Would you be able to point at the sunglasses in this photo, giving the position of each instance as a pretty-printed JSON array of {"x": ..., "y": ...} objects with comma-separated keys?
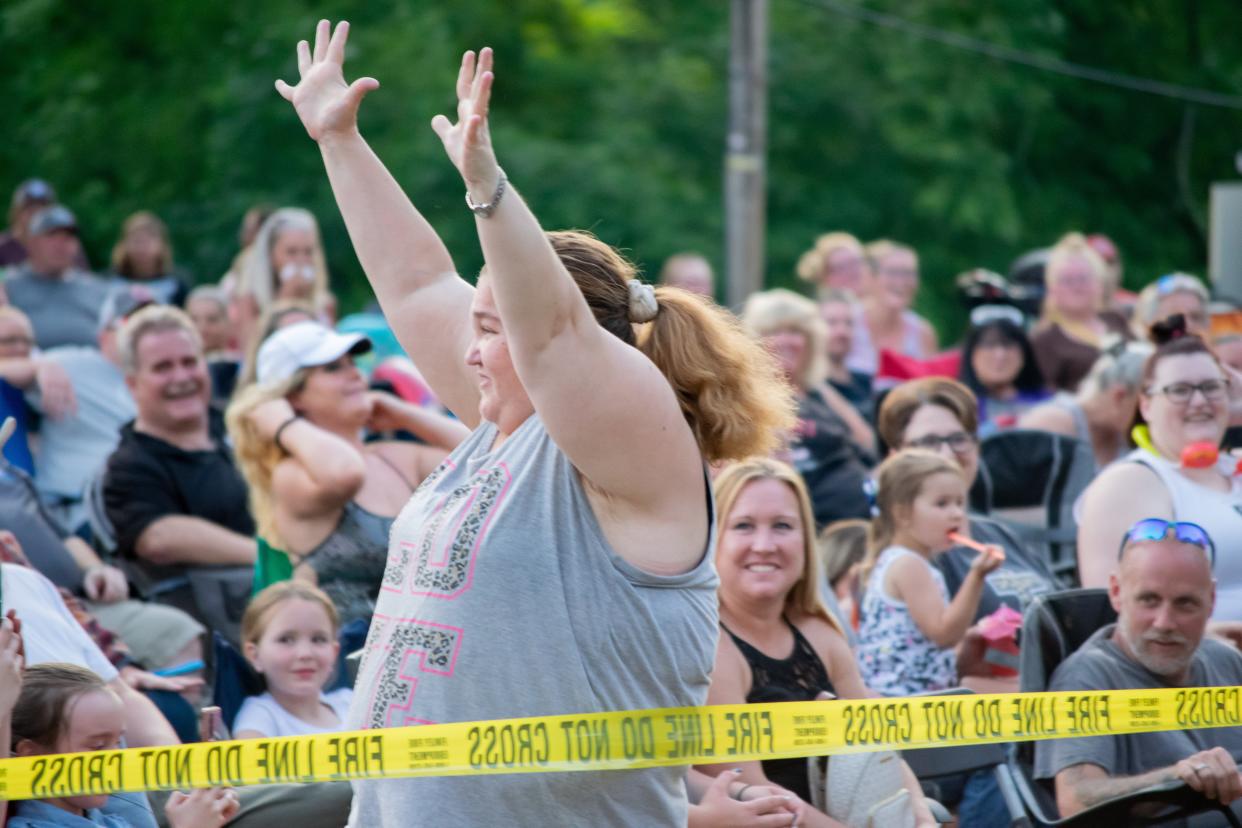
[{"x": 1156, "y": 529}]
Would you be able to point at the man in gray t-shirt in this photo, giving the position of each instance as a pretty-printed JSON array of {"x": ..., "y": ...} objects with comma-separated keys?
[
  {"x": 1164, "y": 594},
  {"x": 62, "y": 302}
]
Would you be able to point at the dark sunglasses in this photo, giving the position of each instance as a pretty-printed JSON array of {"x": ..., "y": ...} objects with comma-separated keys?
[{"x": 1156, "y": 529}]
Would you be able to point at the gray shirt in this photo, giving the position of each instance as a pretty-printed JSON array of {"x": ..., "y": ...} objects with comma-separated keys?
[
  {"x": 1100, "y": 665},
  {"x": 62, "y": 311},
  {"x": 503, "y": 599},
  {"x": 73, "y": 449}
]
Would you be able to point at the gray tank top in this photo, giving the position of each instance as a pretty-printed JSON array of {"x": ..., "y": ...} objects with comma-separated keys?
[
  {"x": 349, "y": 563},
  {"x": 503, "y": 599}
]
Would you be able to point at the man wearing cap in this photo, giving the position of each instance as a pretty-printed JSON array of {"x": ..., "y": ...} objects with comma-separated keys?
[
  {"x": 31, "y": 196},
  {"x": 61, "y": 300},
  {"x": 174, "y": 499},
  {"x": 74, "y": 446},
  {"x": 1164, "y": 593}
]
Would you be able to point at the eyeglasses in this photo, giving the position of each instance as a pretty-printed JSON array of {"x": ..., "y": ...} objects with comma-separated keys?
[
  {"x": 1179, "y": 393},
  {"x": 1157, "y": 529},
  {"x": 959, "y": 441}
]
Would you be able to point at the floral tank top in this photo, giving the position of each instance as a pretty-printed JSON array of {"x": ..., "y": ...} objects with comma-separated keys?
[{"x": 896, "y": 658}]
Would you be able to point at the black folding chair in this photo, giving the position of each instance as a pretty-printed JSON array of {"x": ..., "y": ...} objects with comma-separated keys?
[
  {"x": 1029, "y": 481},
  {"x": 1055, "y": 626}
]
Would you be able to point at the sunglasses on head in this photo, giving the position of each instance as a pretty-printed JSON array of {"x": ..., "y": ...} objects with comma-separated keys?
[{"x": 1157, "y": 529}]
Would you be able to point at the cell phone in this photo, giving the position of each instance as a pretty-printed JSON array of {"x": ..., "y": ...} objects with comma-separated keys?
[{"x": 211, "y": 727}]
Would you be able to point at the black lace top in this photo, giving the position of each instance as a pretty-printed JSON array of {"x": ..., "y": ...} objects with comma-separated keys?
[{"x": 798, "y": 677}]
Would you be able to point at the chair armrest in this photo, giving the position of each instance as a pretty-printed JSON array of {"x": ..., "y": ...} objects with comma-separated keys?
[{"x": 1158, "y": 803}]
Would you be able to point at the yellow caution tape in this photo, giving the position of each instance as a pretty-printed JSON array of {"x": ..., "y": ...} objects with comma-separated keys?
[{"x": 626, "y": 740}]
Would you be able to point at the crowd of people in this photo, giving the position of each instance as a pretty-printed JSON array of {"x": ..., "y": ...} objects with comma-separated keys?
[{"x": 578, "y": 491}]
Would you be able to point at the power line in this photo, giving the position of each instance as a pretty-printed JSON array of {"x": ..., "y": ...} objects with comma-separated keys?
[{"x": 1010, "y": 55}]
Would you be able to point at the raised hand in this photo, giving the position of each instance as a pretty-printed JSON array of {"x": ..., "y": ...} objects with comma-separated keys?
[
  {"x": 468, "y": 142},
  {"x": 11, "y": 665},
  {"x": 326, "y": 105}
]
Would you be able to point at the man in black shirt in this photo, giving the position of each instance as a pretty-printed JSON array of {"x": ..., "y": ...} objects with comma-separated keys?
[{"x": 175, "y": 500}]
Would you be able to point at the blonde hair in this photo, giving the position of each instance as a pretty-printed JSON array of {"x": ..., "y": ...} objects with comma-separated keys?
[
  {"x": 261, "y": 607},
  {"x": 729, "y": 387},
  {"x": 256, "y": 277},
  {"x": 899, "y": 480},
  {"x": 771, "y": 311},
  {"x": 812, "y": 263},
  {"x": 142, "y": 220},
  {"x": 256, "y": 455},
  {"x": 148, "y": 320},
  {"x": 842, "y": 545},
  {"x": 880, "y": 249},
  {"x": 1071, "y": 246},
  {"x": 803, "y": 597}
]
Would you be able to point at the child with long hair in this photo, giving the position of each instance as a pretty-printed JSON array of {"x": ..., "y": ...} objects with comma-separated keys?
[
  {"x": 64, "y": 708},
  {"x": 909, "y": 627},
  {"x": 289, "y": 635}
]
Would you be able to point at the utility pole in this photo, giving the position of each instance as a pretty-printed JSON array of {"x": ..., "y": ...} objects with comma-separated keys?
[{"x": 746, "y": 150}]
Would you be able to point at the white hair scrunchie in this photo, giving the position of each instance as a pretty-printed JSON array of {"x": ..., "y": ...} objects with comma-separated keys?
[{"x": 643, "y": 304}]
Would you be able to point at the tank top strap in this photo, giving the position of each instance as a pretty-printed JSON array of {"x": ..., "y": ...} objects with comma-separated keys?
[
  {"x": 800, "y": 676},
  {"x": 395, "y": 468}
]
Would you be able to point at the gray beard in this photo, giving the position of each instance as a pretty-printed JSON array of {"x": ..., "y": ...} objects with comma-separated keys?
[{"x": 1164, "y": 667}]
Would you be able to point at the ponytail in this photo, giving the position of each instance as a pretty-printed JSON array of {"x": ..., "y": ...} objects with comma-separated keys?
[{"x": 730, "y": 389}]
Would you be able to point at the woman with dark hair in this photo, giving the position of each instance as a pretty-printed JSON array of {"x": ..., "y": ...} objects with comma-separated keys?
[
  {"x": 999, "y": 365},
  {"x": 941, "y": 415},
  {"x": 1184, "y": 400}
]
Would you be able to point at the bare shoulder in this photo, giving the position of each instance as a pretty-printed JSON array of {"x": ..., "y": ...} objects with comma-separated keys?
[
  {"x": 731, "y": 678},
  {"x": 1049, "y": 417},
  {"x": 825, "y": 638},
  {"x": 1122, "y": 481}
]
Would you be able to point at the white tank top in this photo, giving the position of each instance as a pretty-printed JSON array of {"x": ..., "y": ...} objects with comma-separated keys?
[{"x": 1219, "y": 513}]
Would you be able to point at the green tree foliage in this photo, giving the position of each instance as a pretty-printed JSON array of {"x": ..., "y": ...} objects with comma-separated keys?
[{"x": 610, "y": 115}]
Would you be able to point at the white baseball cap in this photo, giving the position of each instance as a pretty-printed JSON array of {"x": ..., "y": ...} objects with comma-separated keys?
[{"x": 304, "y": 344}]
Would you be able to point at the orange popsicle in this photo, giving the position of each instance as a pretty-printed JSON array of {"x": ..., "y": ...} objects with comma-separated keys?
[{"x": 962, "y": 540}]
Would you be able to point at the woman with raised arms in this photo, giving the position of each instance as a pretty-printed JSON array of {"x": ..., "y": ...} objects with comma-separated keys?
[{"x": 558, "y": 560}]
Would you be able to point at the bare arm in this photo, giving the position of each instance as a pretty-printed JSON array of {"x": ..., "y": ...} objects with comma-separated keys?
[
  {"x": 909, "y": 579},
  {"x": 842, "y": 667},
  {"x": 859, "y": 430},
  {"x": 391, "y": 413},
  {"x": 927, "y": 338},
  {"x": 1212, "y": 772},
  {"x": 407, "y": 264},
  {"x": 1121, "y": 495},
  {"x": 1050, "y": 418},
  {"x": 322, "y": 472},
  {"x": 558, "y": 348},
  {"x": 18, "y": 371},
  {"x": 182, "y": 539},
  {"x": 145, "y": 726},
  {"x": 53, "y": 391}
]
